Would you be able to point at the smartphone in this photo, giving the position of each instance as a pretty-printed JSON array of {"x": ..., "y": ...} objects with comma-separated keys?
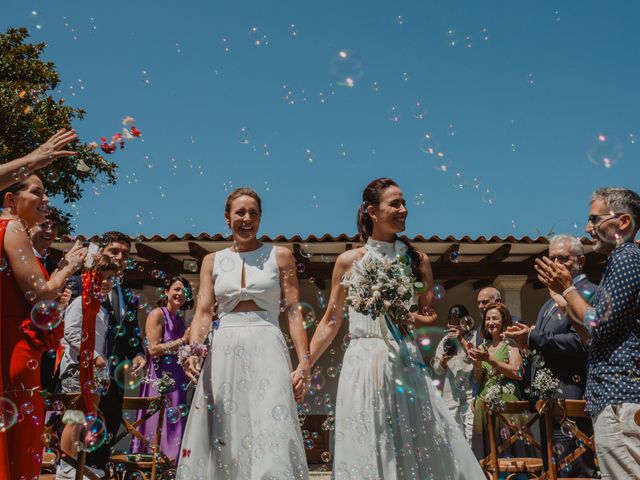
[{"x": 89, "y": 259}]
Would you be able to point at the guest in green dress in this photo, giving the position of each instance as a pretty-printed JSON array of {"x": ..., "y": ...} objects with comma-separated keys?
[{"x": 498, "y": 368}]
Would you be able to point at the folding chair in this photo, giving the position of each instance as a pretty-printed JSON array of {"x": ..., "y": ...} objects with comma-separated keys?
[
  {"x": 49, "y": 458},
  {"x": 493, "y": 465},
  {"x": 561, "y": 410},
  {"x": 146, "y": 465}
]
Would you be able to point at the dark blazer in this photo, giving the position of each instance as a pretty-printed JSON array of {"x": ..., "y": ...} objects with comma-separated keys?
[
  {"x": 130, "y": 343},
  {"x": 560, "y": 346}
]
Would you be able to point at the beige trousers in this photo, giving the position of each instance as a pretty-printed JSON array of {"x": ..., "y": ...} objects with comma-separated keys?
[{"x": 617, "y": 439}]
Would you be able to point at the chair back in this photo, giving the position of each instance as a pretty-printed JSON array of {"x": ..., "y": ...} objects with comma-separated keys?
[
  {"x": 563, "y": 411},
  {"x": 493, "y": 465},
  {"x": 152, "y": 406}
]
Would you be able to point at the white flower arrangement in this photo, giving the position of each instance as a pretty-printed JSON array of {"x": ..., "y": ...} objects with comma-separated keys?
[
  {"x": 494, "y": 394},
  {"x": 164, "y": 384},
  {"x": 379, "y": 286},
  {"x": 545, "y": 385}
]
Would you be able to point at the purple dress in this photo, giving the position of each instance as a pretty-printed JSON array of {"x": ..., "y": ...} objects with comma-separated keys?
[{"x": 174, "y": 422}]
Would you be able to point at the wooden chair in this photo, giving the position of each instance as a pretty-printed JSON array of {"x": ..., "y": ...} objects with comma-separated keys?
[
  {"x": 493, "y": 465},
  {"x": 146, "y": 465},
  {"x": 560, "y": 410},
  {"x": 49, "y": 458}
]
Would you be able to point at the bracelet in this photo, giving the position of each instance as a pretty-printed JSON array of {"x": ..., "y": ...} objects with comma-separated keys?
[
  {"x": 191, "y": 350},
  {"x": 568, "y": 290}
]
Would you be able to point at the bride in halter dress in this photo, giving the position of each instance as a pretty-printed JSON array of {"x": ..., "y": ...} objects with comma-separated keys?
[{"x": 390, "y": 423}]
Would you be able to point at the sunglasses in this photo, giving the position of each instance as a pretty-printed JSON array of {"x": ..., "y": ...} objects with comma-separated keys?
[
  {"x": 598, "y": 219},
  {"x": 561, "y": 258}
]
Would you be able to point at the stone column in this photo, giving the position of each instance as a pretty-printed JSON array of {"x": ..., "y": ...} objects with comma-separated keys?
[{"x": 510, "y": 287}]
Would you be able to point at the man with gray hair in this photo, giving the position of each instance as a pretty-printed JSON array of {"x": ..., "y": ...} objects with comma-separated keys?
[
  {"x": 560, "y": 346},
  {"x": 610, "y": 325}
]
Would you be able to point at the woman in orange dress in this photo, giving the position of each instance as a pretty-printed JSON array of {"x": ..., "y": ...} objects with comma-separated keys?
[{"x": 24, "y": 335}]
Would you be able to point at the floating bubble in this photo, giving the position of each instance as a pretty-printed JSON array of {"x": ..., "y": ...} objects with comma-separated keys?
[
  {"x": 419, "y": 199},
  {"x": 468, "y": 41},
  {"x": 3, "y": 264},
  {"x": 605, "y": 150},
  {"x": 488, "y": 196},
  {"x": 346, "y": 68},
  {"x": 568, "y": 428},
  {"x": 484, "y": 34},
  {"x": 45, "y": 315},
  {"x": 576, "y": 378},
  {"x": 309, "y": 444},
  {"x": 280, "y": 412},
  {"x": 428, "y": 145},
  {"x": 32, "y": 364},
  {"x": 305, "y": 312},
  {"x": 124, "y": 378},
  {"x": 419, "y": 110},
  {"x": 467, "y": 323},
  {"x": 27, "y": 408},
  {"x": 632, "y": 138},
  {"x": 405, "y": 76},
  {"x": 531, "y": 78},
  {"x": 293, "y": 30},
  {"x": 315, "y": 201},
  {"x": 332, "y": 372},
  {"x": 309, "y": 155},
  {"x": 95, "y": 435},
  {"x": 393, "y": 113},
  {"x": 257, "y": 37},
  {"x": 400, "y": 20},
  {"x": 173, "y": 415},
  {"x": 227, "y": 264},
  {"x": 438, "y": 291},
  {"x": 30, "y": 295},
  {"x": 145, "y": 76},
  {"x": 428, "y": 338},
  {"x": 459, "y": 181},
  {"x": 35, "y": 20},
  {"x": 475, "y": 183},
  {"x": 452, "y": 38},
  {"x": 505, "y": 433},
  {"x": 454, "y": 256},
  {"x": 325, "y": 457},
  {"x": 375, "y": 86},
  {"x": 225, "y": 44},
  {"x": 538, "y": 361}
]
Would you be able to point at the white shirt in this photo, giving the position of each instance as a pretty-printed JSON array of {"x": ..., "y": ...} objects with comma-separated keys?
[
  {"x": 73, "y": 333},
  {"x": 458, "y": 382}
]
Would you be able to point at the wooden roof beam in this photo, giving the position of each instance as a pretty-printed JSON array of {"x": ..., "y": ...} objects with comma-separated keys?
[
  {"x": 197, "y": 251},
  {"x": 156, "y": 256},
  {"x": 498, "y": 255}
]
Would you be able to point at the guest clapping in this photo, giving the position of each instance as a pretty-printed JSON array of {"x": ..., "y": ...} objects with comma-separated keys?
[{"x": 610, "y": 324}]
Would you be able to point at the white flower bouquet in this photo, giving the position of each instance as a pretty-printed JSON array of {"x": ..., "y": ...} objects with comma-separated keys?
[
  {"x": 164, "y": 384},
  {"x": 494, "y": 395},
  {"x": 545, "y": 385},
  {"x": 379, "y": 286}
]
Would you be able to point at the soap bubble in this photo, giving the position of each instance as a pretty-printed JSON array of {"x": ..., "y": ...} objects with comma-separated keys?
[
  {"x": 393, "y": 113},
  {"x": 568, "y": 428},
  {"x": 280, "y": 412},
  {"x": 438, "y": 291},
  {"x": 35, "y": 20},
  {"x": 419, "y": 110},
  {"x": 45, "y": 315},
  {"x": 488, "y": 196},
  {"x": 173, "y": 415},
  {"x": 96, "y": 434},
  {"x": 428, "y": 338},
  {"x": 605, "y": 150},
  {"x": 257, "y": 37},
  {"x": 346, "y": 68},
  {"x": 303, "y": 311},
  {"x": 123, "y": 377}
]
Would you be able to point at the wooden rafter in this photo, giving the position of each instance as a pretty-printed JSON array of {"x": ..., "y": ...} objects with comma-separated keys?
[
  {"x": 445, "y": 258},
  {"x": 197, "y": 251},
  {"x": 156, "y": 256},
  {"x": 498, "y": 255}
]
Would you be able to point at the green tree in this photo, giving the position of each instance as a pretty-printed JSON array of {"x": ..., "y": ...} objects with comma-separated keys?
[{"x": 29, "y": 115}]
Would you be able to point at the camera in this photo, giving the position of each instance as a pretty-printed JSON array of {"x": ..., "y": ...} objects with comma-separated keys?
[{"x": 449, "y": 347}]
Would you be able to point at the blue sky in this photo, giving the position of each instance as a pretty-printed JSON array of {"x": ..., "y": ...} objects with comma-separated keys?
[{"x": 517, "y": 103}]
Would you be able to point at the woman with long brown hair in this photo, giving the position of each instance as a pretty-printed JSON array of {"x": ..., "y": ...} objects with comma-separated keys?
[
  {"x": 25, "y": 333},
  {"x": 243, "y": 421},
  {"x": 390, "y": 421}
]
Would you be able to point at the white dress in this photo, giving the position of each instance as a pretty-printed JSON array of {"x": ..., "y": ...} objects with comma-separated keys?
[
  {"x": 243, "y": 421},
  {"x": 390, "y": 421}
]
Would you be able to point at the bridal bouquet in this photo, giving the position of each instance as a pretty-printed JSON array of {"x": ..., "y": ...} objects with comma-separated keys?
[
  {"x": 164, "y": 384},
  {"x": 379, "y": 286}
]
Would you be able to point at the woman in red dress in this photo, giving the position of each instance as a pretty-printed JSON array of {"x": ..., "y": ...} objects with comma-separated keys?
[{"x": 23, "y": 337}]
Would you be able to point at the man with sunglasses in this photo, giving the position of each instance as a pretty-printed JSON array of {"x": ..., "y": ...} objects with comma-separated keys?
[
  {"x": 610, "y": 325},
  {"x": 558, "y": 343}
]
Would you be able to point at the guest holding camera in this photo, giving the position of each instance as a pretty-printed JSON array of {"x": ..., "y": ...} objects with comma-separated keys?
[{"x": 451, "y": 360}]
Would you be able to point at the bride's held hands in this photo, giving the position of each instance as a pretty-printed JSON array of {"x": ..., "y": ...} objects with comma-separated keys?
[
  {"x": 300, "y": 379},
  {"x": 192, "y": 366}
]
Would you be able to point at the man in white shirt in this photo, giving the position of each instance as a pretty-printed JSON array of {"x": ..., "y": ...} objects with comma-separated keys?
[{"x": 452, "y": 361}]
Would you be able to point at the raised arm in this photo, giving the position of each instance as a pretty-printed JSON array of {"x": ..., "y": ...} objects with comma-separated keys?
[
  {"x": 26, "y": 268},
  {"x": 334, "y": 315},
  {"x": 201, "y": 324},
  {"x": 40, "y": 157}
]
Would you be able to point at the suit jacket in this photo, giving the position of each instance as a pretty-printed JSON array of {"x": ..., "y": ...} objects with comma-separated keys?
[
  {"x": 130, "y": 343},
  {"x": 560, "y": 346}
]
